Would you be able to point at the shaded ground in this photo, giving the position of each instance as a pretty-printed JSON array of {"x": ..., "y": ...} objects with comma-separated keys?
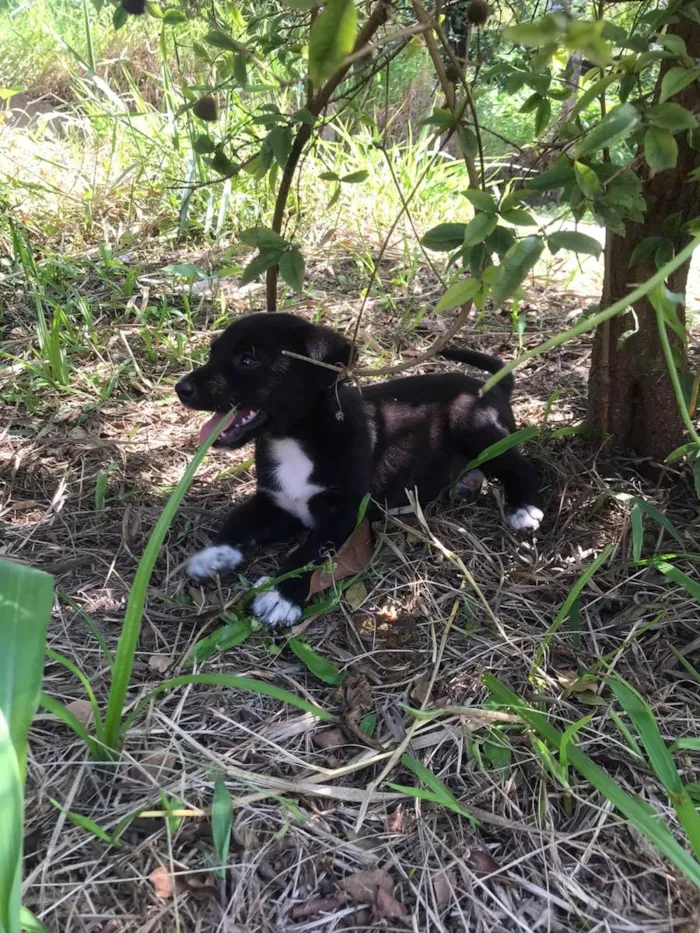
[{"x": 308, "y": 816}]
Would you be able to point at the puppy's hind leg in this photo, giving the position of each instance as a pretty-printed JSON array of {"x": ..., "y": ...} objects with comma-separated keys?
[
  {"x": 518, "y": 476},
  {"x": 255, "y": 521}
]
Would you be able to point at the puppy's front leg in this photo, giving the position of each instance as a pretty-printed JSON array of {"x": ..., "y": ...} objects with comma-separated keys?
[
  {"x": 283, "y": 604},
  {"x": 257, "y": 520}
]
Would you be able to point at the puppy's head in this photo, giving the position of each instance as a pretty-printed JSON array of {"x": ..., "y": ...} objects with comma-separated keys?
[{"x": 248, "y": 371}]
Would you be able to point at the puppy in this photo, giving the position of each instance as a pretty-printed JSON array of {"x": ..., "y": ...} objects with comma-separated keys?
[{"x": 321, "y": 444}]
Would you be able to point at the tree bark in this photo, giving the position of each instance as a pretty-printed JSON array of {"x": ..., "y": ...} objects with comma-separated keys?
[{"x": 630, "y": 395}]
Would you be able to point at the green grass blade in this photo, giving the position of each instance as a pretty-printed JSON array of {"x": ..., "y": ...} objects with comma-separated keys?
[
  {"x": 440, "y": 792},
  {"x": 673, "y": 573},
  {"x": 131, "y": 630},
  {"x": 319, "y": 666},
  {"x": 637, "y": 523},
  {"x": 500, "y": 447},
  {"x": 26, "y": 600},
  {"x": 660, "y": 757},
  {"x": 84, "y": 822},
  {"x": 233, "y": 682},
  {"x": 221, "y": 822},
  {"x": 645, "y": 819},
  {"x": 11, "y": 817},
  {"x": 574, "y": 594},
  {"x": 29, "y": 923},
  {"x": 57, "y": 709},
  {"x": 87, "y": 686},
  {"x": 223, "y": 639}
]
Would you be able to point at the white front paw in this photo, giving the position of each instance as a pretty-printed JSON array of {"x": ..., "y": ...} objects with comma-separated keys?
[
  {"x": 213, "y": 561},
  {"x": 526, "y": 518},
  {"x": 273, "y": 609}
]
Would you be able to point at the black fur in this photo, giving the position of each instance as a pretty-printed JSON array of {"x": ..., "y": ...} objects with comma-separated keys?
[{"x": 418, "y": 432}]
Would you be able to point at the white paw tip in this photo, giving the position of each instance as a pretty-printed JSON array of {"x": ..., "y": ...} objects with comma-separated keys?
[
  {"x": 212, "y": 561},
  {"x": 273, "y": 609},
  {"x": 526, "y": 518}
]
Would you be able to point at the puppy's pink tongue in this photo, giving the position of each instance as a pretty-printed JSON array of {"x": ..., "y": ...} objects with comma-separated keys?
[{"x": 209, "y": 426}]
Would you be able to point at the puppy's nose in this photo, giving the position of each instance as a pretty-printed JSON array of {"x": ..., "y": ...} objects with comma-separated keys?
[{"x": 186, "y": 389}]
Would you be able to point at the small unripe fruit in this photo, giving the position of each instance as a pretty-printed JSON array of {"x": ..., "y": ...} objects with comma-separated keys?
[
  {"x": 135, "y": 7},
  {"x": 477, "y": 12},
  {"x": 205, "y": 108}
]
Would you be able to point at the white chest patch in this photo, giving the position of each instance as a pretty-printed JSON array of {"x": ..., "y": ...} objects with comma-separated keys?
[{"x": 292, "y": 471}]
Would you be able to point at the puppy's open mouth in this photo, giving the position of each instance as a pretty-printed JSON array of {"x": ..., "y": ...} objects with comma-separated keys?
[{"x": 236, "y": 427}]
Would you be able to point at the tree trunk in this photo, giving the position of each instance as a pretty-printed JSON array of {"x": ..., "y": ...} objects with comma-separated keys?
[{"x": 630, "y": 395}]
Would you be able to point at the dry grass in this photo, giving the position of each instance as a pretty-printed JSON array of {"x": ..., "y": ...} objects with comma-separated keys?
[{"x": 306, "y": 815}]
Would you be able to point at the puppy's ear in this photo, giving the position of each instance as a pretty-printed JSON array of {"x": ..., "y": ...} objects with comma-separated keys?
[{"x": 330, "y": 347}]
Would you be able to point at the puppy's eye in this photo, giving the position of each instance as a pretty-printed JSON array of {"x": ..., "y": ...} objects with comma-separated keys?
[{"x": 247, "y": 359}]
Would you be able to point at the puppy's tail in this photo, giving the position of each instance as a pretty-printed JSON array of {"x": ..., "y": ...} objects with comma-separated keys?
[{"x": 481, "y": 361}]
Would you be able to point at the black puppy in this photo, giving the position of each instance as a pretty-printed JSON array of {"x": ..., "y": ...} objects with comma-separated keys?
[{"x": 321, "y": 444}]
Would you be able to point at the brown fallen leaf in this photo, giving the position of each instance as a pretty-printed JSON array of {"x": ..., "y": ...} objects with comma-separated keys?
[
  {"x": 160, "y": 662},
  {"x": 352, "y": 557},
  {"x": 200, "y": 888},
  {"x": 330, "y": 739},
  {"x": 158, "y": 765},
  {"x": 421, "y": 685},
  {"x": 163, "y": 882},
  {"x": 397, "y": 820},
  {"x": 362, "y": 886},
  {"x": 572, "y": 682},
  {"x": 356, "y": 594},
  {"x": 319, "y": 905},
  {"x": 81, "y": 709},
  {"x": 444, "y": 882},
  {"x": 481, "y": 862},
  {"x": 387, "y": 905},
  {"x": 357, "y": 702}
]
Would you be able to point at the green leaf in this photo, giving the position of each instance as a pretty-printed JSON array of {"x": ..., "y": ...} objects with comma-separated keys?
[
  {"x": 479, "y": 228},
  {"x": 616, "y": 125},
  {"x": 637, "y": 523},
  {"x": 519, "y": 218},
  {"x": 575, "y": 241},
  {"x": 354, "y": 178},
  {"x": 304, "y": 116},
  {"x": 329, "y": 176},
  {"x": 301, "y": 4},
  {"x": 221, "y": 823},
  {"x": 280, "y": 139},
  {"x": 444, "y": 237},
  {"x": 672, "y": 224},
  {"x": 538, "y": 32},
  {"x": 223, "y": 41},
  {"x": 516, "y": 264},
  {"x": 458, "y": 294},
  {"x": 259, "y": 264},
  {"x": 675, "y": 80},
  {"x": 119, "y": 17},
  {"x": 544, "y": 112},
  {"x": 331, "y": 39},
  {"x": 292, "y": 269},
  {"x": 482, "y": 200},
  {"x": 468, "y": 142},
  {"x": 222, "y": 639},
  {"x": 154, "y": 10},
  {"x": 645, "y": 249},
  {"x": 532, "y": 103},
  {"x": 646, "y": 821},
  {"x": 591, "y": 94},
  {"x": 319, "y": 666},
  {"x": 500, "y": 241},
  {"x": 263, "y": 238},
  {"x": 173, "y": 17},
  {"x": 587, "y": 180},
  {"x": 557, "y": 176},
  {"x": 660, "y": 149},
  {"x": 240, "y": 70},
  {"x": 671, "y": 117},
  {"x": 203, "y": 144}
]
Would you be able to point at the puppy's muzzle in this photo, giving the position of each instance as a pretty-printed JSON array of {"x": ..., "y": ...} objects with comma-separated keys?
[{"x": 186, "y": 390}]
